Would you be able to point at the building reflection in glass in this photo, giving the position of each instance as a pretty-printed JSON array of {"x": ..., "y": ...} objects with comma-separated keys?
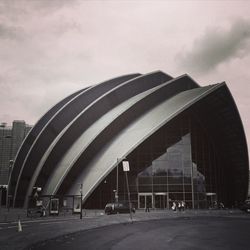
[{"x": 173, "y": 177}]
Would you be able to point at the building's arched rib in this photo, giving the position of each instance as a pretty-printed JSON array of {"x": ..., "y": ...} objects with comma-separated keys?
[
  {"x": 132, "y": 109},
  {"x": 55, "y": 125}
]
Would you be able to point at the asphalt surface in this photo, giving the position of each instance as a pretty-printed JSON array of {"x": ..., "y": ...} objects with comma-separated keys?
[
  {"x": 155, "y": 230},
  {"x": 176, "y": 233}
]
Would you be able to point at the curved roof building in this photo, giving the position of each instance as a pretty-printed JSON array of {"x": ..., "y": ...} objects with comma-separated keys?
[{"x": 182, "y": 142}]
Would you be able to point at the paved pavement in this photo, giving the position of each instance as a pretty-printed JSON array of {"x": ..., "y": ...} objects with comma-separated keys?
[
  {"x": 12, "y": 215},
  {"x": 41, "y": 229}
]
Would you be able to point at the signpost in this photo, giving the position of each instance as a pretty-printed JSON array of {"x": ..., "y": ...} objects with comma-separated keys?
[{"x": 126, "y": 170}]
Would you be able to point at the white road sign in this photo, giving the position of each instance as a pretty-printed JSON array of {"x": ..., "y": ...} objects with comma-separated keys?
[{"x": 125, "y": 165}]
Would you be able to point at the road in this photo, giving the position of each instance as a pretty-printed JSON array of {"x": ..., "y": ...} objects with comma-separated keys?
[
  {"x": 64, "y": 230},
  {"x": 173, "y": 233},
  {"x": 40, "y": 229}
]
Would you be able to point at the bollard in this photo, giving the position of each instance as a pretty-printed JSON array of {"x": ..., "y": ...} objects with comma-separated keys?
[{"x": 19, "y": 226}]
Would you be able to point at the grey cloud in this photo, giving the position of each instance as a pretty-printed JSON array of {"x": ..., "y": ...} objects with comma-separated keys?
[
  {"x": 47, "y": 7},
  {"x": 52, "y": 5},
  {"x": 10, "y": 32},
  {"x": 22, "y": 6},
  {"x": 17, "y": 11},
  {"x": 217, "y": 46},
  {"x": 17, "y": 16}
]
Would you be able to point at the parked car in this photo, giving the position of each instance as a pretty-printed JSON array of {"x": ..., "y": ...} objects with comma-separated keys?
[
  {"x": 246, "y": 206},
  {"x": 38, "y": 211},
  {"x": 116, "y": 208}
]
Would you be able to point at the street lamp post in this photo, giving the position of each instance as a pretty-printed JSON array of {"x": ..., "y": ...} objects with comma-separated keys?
[
  {"x": 117, "y": 182},
  {"x": 81, "y": 201}
]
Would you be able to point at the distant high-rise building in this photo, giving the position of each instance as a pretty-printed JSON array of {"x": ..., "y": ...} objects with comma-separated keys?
[{"x": 11, "y": 138}]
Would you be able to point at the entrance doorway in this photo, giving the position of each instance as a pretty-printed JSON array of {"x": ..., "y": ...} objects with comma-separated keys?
[
  {"x": 212, "y": 200},
  {"x": 153, "y": 200},
  {"x": 145, "y": 200},
  {"x": 161, "y": 201}
]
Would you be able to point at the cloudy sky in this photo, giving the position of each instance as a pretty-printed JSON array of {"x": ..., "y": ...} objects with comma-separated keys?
[{"x": 51, "y": 48}]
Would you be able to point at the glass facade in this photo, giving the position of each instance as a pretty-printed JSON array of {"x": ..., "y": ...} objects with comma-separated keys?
[{"x": 167, "y": 175}]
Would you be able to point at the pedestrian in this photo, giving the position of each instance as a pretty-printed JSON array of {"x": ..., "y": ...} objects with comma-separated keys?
[
  {"x": 147, "y": 207},
  {"x": 221, "y": 205},
  {"x": 183, "y": 206},
  {"x": 179, "y": 206},
  {"x": 174, "y": 206}
]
